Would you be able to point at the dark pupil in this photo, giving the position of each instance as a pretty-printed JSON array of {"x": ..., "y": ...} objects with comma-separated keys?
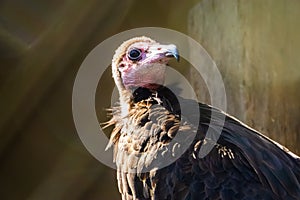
[{"x": 134, "y": 54}]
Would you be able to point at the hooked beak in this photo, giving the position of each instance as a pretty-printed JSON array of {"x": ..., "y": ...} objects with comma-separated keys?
[
  {"x": 172, "y": 52},
  {"x": 168, "y": 51}
]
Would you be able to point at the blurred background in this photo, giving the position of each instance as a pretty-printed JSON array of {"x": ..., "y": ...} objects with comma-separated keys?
[{"x": 255, "y": 44}]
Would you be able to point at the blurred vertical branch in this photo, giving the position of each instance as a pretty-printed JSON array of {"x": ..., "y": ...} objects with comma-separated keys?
[{"x": 255, "y": 45}]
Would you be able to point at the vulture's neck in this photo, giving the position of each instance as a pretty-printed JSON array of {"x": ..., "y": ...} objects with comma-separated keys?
[{"x": 160, "y": 95}]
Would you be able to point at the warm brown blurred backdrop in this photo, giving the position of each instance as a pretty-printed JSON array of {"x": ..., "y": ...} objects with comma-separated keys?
[{"x": 42, "y": 44}]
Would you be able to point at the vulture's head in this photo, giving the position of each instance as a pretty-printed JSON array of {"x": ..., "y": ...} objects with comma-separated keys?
[{"x": 141, "y": 62}]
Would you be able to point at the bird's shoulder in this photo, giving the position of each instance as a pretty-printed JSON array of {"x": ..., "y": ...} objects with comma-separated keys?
[
  {"x": 242, "y": 162},
  {"x": 245, "y": 159}
]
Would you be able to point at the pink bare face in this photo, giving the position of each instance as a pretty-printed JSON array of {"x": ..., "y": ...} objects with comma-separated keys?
[{"x": 144, "y": 64}]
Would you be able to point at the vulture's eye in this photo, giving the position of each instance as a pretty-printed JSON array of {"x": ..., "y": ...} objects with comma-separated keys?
[{"x": 135, "y": 54}]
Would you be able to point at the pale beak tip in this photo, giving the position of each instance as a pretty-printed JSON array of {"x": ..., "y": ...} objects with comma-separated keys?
[
  {"x": 173, "y": 52},
  {"x": 177, "y": 57}
]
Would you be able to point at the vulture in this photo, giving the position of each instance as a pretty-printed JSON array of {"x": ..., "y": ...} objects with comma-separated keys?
[{"x": 157, "y": 149}]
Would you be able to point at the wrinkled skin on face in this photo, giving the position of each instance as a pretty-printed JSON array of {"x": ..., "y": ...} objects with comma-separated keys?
[{"x": 144, "y": 64}]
